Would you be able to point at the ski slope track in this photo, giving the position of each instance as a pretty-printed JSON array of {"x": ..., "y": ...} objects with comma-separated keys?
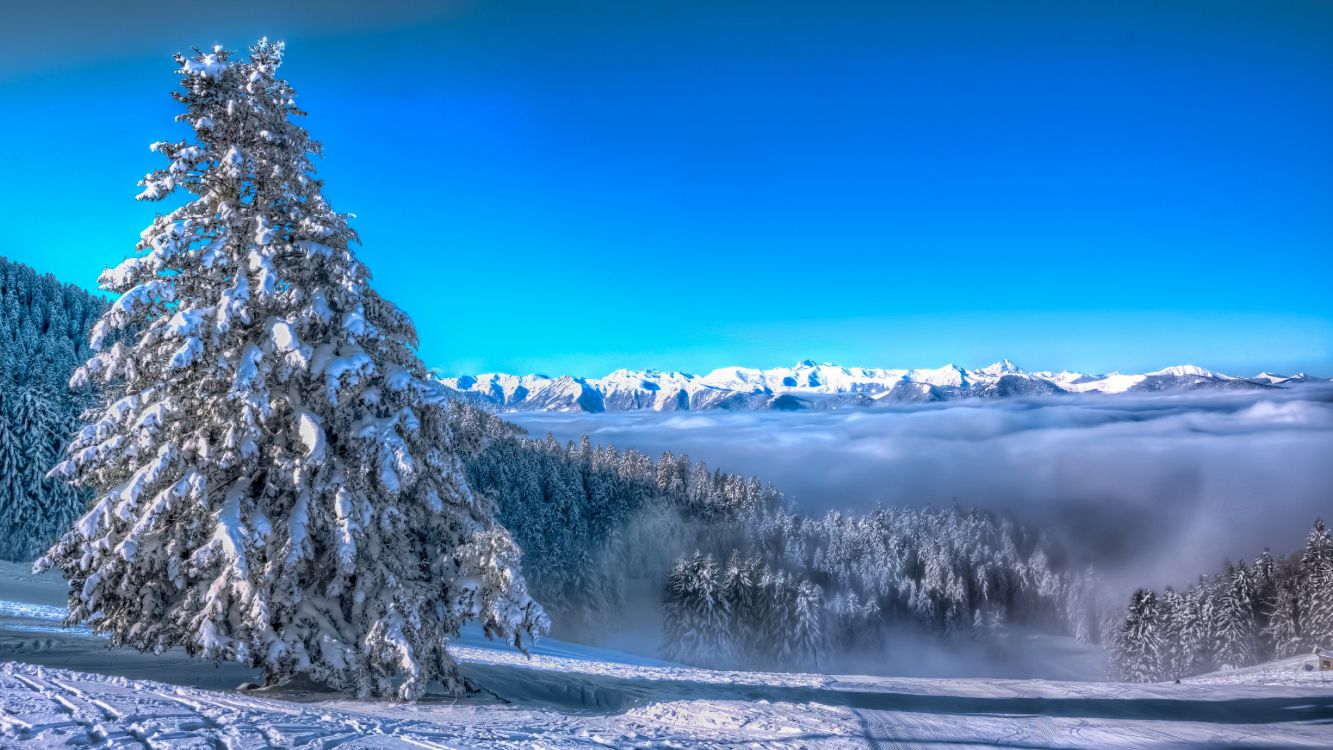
[{"x": 63, "y": 688}]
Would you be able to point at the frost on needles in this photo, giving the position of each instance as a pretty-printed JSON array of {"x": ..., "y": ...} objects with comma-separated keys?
[{"x": 274, "y": 477}]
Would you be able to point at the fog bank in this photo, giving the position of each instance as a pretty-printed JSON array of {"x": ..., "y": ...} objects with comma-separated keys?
[{"x": 1154, "y": 488}]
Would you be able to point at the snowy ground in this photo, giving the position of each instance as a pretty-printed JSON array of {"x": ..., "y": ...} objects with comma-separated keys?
[{"x": 63, "y": 688}]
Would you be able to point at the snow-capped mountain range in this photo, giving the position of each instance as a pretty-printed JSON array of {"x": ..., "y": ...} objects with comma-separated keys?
[{"x": 811, "y": 385}]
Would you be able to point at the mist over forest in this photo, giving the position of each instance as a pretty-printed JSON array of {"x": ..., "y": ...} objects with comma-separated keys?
[{"x": 1153, "y": 490}]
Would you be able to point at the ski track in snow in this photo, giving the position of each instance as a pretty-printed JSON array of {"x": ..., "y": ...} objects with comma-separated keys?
[
  {"x": 63, "y": 688},
  {"x": 47, "y": 707}
]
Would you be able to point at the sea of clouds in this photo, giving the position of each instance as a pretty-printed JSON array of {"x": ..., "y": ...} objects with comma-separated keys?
[{"x": 1155, "y": 488}]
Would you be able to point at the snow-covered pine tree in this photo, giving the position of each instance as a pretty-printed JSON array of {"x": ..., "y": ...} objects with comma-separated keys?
[
  {"x": 34, "y": 427},
  {"x": 1137, "y": 650},
  {"x": 778, "y": 604},
  {"x": 716, "y": 638},
  {"x": 275, "y": 482},
  {"x": 740, "y": 586},
  {"x": 1316, "y": 575},
  {"x": 1264, "y": 585},
  {"x": 698, "y": 617},
  {"x": 809, "y": 632},
  {"x": 1284, "y": 621},
  {"x": 1234, "y": 619},
  {"x": 1198, "y": 642},
  {"x": 1176, "y": 654},
  {"x": 677, "y": 611}
]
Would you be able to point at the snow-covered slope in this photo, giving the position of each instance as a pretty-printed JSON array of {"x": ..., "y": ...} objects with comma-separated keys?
[
  {"x": 1293, "y": 671},
  {"x": 64, "y": 688},
  {"x": 811, "y": 385}
]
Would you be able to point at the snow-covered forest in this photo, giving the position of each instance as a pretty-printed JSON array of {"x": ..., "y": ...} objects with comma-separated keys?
[
  {"x": 43, "y": 335},
  {"x": 747, "y": 581},
  {"x": 1274, "y": 607}
]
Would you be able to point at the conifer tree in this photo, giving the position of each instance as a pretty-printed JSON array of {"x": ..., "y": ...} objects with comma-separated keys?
[
  {"x": 1138, "y": 648},
  {"x": 1235, "y": 626},
  {"x": 274, "y": 477},
  {"x": 1284, "y": 621},
  {"x": 1198, "y": 645},
  {"x": 1176, "y": 654},
  {"x": 742, "y": 588},
  {"x": 1264, "y": 595},
  {"x": 809, "y": 632},
  {"x": 698, "y": 616},
  {"x": 1316, "y": 599}
]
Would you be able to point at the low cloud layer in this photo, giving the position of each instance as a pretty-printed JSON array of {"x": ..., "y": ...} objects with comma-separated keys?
[{"x": 1154, "y": 488}]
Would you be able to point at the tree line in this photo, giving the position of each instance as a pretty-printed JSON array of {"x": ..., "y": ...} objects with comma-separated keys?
[
  {"x": 43, "y": 336},
  {"x": 1245, "y": 614},
  {"x": 744, "y": 579}
]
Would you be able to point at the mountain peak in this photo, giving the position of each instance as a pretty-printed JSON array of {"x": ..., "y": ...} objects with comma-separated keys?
[
  {"x": 1001, "y": 367},
  {"x": 823, "y": 386},
  {"x": 1184, "y": 370}
]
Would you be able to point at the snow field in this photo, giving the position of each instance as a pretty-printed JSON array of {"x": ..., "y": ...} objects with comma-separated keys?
[{"x": 63, "y": 688}]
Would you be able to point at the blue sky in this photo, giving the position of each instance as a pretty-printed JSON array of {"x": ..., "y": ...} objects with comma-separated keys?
[{"x": 576, "y": 187}]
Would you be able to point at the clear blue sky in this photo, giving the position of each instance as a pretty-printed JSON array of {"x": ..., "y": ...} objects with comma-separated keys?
[{"x": 573, "y": 187}]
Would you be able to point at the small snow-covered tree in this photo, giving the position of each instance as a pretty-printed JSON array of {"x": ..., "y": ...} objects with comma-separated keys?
[
  {"x": 1284, "y": 621},
  {"x": 1316, "y": 598},
  {"x": 778, "y": 605},
  {"x": 740, "y": 586},
  {"x": 809, "y": 633},
  {"x": 712, "y": 611},
  {"x": 1176, "y": 649},
  {"x": 1198, "y": 642},
  {"x": 1137, "y": 649},
  {"x": 274, "y": 476},
  {"x": 1234, "y": 619},
  {"x": 697, "y": 613}
]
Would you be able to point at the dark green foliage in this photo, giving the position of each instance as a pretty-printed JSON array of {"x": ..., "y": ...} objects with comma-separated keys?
[{"x": 43, "y": 337}]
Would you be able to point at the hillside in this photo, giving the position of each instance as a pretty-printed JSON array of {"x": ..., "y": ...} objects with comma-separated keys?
[{"x": 43, "y": 336}]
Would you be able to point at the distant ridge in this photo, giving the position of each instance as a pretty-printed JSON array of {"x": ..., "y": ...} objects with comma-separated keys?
[{"x": 811, "y": 385}]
